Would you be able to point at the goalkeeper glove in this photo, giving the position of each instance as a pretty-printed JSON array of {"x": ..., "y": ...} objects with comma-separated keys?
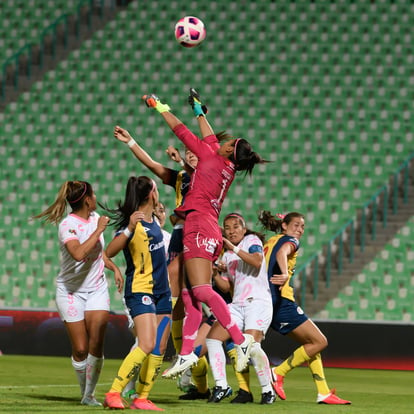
[
  {"x": 195, "y": 102},
  {"x": 152, "y": 101}
]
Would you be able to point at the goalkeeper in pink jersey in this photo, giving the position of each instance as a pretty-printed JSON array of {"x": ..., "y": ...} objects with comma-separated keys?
[{"x": 220, "y": 157}]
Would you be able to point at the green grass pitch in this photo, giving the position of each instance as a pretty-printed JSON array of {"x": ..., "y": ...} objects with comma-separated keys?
[{"x": 37, "y": 384}]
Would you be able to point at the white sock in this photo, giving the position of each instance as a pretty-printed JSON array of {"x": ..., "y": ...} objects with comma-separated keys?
[
  {"x": 262, "y": 366},
  {"x": 93, "y": 370},
  {"x": 217, "y": 359},
  {"x": 80, "y": 370}
]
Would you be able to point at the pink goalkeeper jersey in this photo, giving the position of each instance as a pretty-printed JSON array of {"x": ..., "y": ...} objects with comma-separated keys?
[{"x": 211, "y": 179}]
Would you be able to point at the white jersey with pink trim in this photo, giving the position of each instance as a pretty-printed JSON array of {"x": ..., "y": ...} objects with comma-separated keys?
[
  {"x": 249, "y": 282},
  {"x": 87, "y": 275}
]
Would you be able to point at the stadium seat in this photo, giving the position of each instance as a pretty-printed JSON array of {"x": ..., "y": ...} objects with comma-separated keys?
[{"x": 310, "y": 104}]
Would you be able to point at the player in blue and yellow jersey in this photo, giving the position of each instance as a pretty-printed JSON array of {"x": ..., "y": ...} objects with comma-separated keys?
[
  {"x": 180, "y": 181},
  {"x": 288, "y": 318},
  {"x": 147, "y": 292}
]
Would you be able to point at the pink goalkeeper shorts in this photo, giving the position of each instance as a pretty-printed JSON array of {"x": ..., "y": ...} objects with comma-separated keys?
[{"x": 202, "y": 237}]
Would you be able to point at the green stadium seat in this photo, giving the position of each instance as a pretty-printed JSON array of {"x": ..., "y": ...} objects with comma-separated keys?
[{"x": 296, "y": 107}]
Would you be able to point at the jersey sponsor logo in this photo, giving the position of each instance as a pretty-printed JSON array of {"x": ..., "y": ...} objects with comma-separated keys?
[
  {"x": 209, "y": 244},
  {"x": 157, "y": 246}
]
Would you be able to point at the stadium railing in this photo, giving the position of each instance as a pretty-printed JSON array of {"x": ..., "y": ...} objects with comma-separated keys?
[
  {"x": 353, "y": 235},
  {"x": 53, "y": 36}
]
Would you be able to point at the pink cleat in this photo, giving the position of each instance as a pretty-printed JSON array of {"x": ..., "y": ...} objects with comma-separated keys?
[
  {"x": 331, "y": 398},
  {"x": 278, "y": 384},
  {"x": 113, "y": 400},
  {"x": 143, "y": 404}
]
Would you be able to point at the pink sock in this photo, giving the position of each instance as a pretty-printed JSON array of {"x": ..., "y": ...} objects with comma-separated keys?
[
  {"x": 192, "y": 321},
  {"x": 206, "y": 294}
]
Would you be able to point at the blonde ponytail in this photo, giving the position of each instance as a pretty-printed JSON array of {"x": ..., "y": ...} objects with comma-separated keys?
[{"x": 70, "y": 190}]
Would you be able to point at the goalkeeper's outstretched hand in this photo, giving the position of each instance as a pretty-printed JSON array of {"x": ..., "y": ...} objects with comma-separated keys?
[
  {"x": 152, "y": 101},
  {"x": 194, "y": 100}
]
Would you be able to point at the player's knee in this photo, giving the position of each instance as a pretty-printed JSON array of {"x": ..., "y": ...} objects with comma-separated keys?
[
  {"x": 322, "y": 343},
  {"x": 80, "y": 354},
  {"x": 147, "y": 345},
  {"x": 203, "y": 293}
]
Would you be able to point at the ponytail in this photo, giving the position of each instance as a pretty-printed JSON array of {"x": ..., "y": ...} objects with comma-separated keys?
[
  {"x": 244, "y": 157},
  {"x": 137, "y": 193},
  {"x": 71, "y": 192},
  {"x": 274, "y": 222}
]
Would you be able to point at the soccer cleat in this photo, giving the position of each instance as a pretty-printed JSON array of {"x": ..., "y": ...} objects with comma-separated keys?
[
  {"x": 243, "y": 352},
  {"x": 143, "y": 404},
  {"x": 277, "y": 383},
  {"x": 194, "y": 394},
  {"x": 152, "y": 101},
  {"x": 113, "y": 401},
  {"x": 242, "y": 397},
  {"x": 91, "y": 401},
  {"x": 331, "y": 398},
  {"x": 268, "y": 398},
  {"x": 195, "y": 102},
  {"x": 182, "y": 363},
  {"x": 219, "y": 393}
]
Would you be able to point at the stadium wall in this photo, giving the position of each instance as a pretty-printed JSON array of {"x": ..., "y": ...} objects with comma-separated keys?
[{"x": 351, "y": 344}]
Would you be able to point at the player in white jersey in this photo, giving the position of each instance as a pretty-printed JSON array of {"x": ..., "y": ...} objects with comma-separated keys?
[
  {"x": 243, "y": 268},
  {"x": 82, "y": 296}
]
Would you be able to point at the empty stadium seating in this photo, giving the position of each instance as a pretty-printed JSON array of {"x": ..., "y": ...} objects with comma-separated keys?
[
  {"x": 321, "y": 89},
  {"x": 23, "y": 21},
  {"x": 384, "y": 290}
]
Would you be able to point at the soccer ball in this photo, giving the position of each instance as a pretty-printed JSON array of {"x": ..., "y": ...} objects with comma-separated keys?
[{"x": 190, "y": 31}]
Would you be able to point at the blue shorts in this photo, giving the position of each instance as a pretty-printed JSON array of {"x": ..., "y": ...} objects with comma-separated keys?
[
  {"x": 287, "y": 316},
  {"x": 176, "y": 243},
  {"x": 140, "y": 303}
]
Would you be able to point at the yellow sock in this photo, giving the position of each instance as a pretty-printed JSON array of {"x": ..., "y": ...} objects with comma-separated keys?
[
  {"x": 177, "y": 334},
  {"x": 129, "y": 368},
  {"x": 200, "y": 374},
  {"x": 243, "y": 378},
  {"x": 316, "y": 367},
  {"x": 295, "y": 360},
  {"x": 149, "y": 374}
]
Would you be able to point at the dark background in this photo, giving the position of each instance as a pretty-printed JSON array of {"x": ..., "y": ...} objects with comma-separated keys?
[{"x": 351, "y": 345}]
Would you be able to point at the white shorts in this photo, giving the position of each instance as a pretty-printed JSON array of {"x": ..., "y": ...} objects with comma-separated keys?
[
  {"x": 72, "y": 306},
  {"x": 253, "y": 314}
]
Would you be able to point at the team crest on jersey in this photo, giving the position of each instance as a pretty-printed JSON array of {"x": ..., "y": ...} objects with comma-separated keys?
[
  {"x": 146, "y": 300},
  {"x": 72, "y": 231}
]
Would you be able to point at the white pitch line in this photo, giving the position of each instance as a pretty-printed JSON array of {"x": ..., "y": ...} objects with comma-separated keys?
[{"x": 8, "y": 387}]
